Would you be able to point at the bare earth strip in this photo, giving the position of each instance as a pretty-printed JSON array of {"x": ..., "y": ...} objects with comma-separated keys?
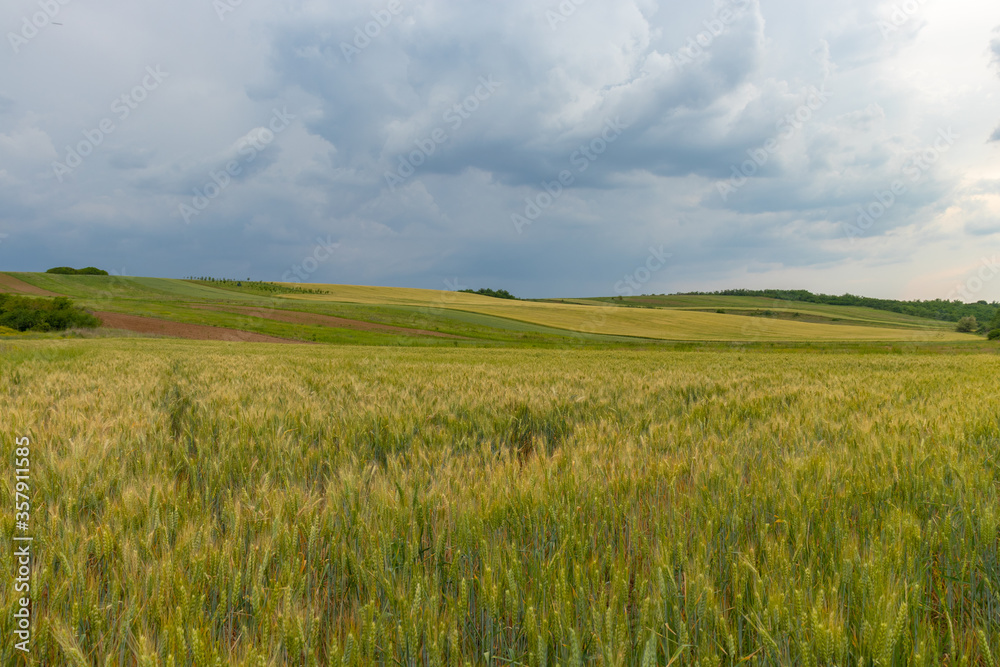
[
  {"x": 12, "y": 284},
  {"x": 296, "y": 317},
  {"x": 155, "y": 325}
]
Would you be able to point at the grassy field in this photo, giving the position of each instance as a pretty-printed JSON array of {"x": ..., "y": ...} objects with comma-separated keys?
[
  {"x": 203, "y": 304},
  {"x": 679, "y": 324},
  {"x": 210, "y": 503},
  {"x": 475, "y": 320},
  {"x": 848, "y": 315},
  {"x": 687, "y": 323}
]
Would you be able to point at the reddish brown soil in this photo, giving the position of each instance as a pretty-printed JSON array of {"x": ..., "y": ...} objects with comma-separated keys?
[
  {"x": 296, "y": 317},
  {"x": 12, "y": 284},
  {"x": 155, "y": 325}
]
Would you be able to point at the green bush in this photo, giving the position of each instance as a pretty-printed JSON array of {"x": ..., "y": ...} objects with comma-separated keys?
[
  {"x": 495, "y": 293},
  {"x": 993, "y": 335},
  {"x": 70, "y": 271},
  {"x": 27, "y": 314},
  {"x": 967, "y": 324}
]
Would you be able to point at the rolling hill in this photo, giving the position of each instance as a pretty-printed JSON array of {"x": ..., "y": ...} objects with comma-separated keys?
[{"x": 352, "y": 314}]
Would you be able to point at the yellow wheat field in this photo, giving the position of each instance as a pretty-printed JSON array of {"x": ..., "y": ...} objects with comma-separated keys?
[{"x": 210, "y": 503}]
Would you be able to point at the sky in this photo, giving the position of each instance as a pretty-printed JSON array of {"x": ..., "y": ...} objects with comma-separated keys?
[{"x": 574, "y": 148}]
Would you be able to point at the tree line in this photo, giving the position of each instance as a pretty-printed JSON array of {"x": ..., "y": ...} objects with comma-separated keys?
[
  {"x": 495, "y": 293},
  {"x": 936, "y": 309}
]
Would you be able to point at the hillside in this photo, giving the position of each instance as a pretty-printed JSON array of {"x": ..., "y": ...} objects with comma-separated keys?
[
  {"x": 350, "y": 314},
  {"x": 936, "y": 309},
  {"x": 775, "y": 308}
]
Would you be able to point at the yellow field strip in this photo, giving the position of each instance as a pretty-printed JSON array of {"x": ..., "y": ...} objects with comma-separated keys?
[{"x": 663, "y": 324}]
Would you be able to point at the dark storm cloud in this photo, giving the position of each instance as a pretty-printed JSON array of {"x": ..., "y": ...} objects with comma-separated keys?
[{"x": 421, "y": 127}]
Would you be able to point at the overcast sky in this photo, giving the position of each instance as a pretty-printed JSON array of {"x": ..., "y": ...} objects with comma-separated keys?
[{"x": 549, "y": 149}]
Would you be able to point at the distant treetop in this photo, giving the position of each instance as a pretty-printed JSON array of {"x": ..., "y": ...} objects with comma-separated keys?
[
  {"x": 937, "y": 309},
  {"x": 253, "y": 286},
  {"x": 495, "y": 293},
  {"x": 70, "y": 271}
]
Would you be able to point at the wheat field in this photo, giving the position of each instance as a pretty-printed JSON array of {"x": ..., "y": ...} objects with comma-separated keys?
[
  {"x": 655, "y": 323},
  {"x": 221, "y": 504}
]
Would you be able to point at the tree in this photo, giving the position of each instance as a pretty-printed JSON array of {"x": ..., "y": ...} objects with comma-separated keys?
[
  {"x": 27, "y": 314},
  {"x": 495, "y": 293},
  {"x": 967, "y": 324},
  {"x": 70, "y": 271}
]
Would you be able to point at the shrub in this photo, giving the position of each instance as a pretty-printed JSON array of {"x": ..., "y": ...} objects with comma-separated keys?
[
  {"x": 495, "y": 293},
  {"x": 70, "y": 271},
  {"x": 993, "y": 335},
  {"x": 967, "y": 324},
  {"x": 26, "y": 314}
]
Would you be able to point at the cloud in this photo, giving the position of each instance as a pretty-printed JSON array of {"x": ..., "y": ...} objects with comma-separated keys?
[
  {"x": 863, "y": 120},
  {"x": 130, "y": 159},
  {"x": 252, "y": 154},
  {"x": 995, "y": 53},
  {"x": 25, "y": 148},
  {"x": 696, "y": 89},
  {"x": 549, "y": 101}
]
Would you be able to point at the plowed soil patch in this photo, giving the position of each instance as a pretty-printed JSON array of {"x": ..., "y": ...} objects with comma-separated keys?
[
  {"x": 296, "y": 317},
  {"x": 153, "y": 325},
  {"x": 12, "y": 284}
]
